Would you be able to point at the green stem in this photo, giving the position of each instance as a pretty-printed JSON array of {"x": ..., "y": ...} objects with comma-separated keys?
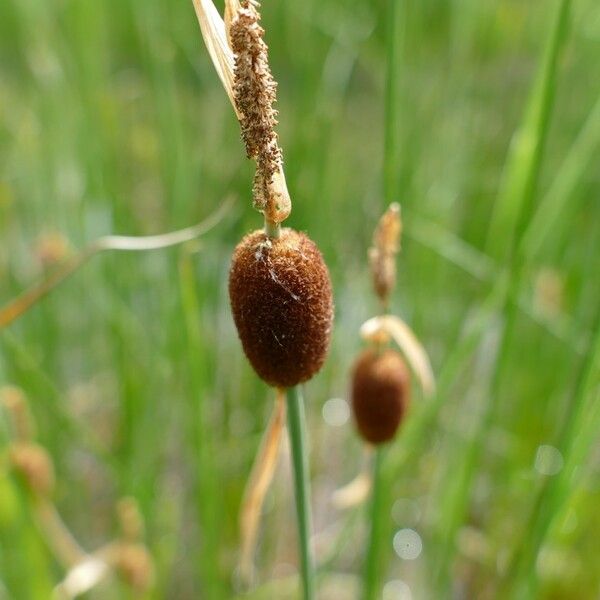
[
  {"x": 297, "y": 432},
  {"x": 373, "y": 562},
  {"x": 391, "y": 107},
  {"x": 272, "y": 229}
]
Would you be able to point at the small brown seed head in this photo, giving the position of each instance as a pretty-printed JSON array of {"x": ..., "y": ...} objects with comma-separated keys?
[
  {"x": 13, "y": 399},
  {"x": 282, "y": 305},
  {"x": 34, "y": 465},
  {"x": 130, "y": 519},
  {"x": 134, "y": 565},
  {"x": 380, "y": 394}
]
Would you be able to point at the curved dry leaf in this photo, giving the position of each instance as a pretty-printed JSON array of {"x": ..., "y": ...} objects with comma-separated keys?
[
  {"x": 81, "y": 578},
  {"x": 353, "y": 493},
  {"x": 382, "y": 327},
  {"x": 30, "y": 297},
  {"x": 215, "y": 37},
  {"x": 231, "y": 9},
  {"x": 258, "y": 484},
  {"x": 356, "y": 491}
]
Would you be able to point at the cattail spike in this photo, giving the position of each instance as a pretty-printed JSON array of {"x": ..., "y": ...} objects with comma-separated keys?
[
  {"x": 255, "y": 92},
  {"x": 382, "y": 254},
  {"x": 380, "y": 394},
  {"x": 282, "y": 305}
]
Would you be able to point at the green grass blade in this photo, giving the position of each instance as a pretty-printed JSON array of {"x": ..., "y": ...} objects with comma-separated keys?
[
  {"x": 206, "y": 494},
  {"x": 374, "y": 562},
  {"x": 299, "y": 447},
  {"x": 578, "y": 435},
  {"x": 515, "y": 202},
  {"x": 392, "y": 99},
  {"x": 547, "y": 217}
]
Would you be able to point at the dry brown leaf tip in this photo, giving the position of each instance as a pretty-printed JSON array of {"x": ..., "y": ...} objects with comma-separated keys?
[
  {"x": 379, "y": 330},
  {"x": 382, "y": 254}
]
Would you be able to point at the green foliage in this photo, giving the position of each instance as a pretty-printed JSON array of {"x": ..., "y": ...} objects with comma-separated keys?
[{"x": 112, "y": 121}]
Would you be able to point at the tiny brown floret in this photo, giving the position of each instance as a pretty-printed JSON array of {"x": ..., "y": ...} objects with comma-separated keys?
[
  {"x": 282, "y": 305},
  {"x": 380, "y": 394}
]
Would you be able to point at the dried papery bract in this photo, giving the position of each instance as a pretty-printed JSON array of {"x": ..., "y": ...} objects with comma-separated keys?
[
  {"x": 382, "y": 254},
  {"x": 217, "y": 43},
  {"x": 258, "y": 484},
  {"x": 379, "y": 330}
]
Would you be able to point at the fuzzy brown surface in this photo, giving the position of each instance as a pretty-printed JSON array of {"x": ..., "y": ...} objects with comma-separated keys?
[
  {"x": 380, "y": 394},
  {"x": 282, "y": 305}
]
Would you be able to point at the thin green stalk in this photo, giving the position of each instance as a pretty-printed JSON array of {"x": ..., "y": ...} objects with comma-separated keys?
[
  {"x": 512, "y": 210},
  {"x": 373, "y": 561},
  {"x": 391, "y": 109},
  {"x": 297, "y": 432},
  {"x": 205, "y": 492}
]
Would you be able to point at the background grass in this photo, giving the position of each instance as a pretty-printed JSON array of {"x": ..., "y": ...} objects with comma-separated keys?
[{"x": 112, "y": 121}]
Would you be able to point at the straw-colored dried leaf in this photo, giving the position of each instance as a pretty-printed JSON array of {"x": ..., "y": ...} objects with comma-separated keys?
[
  {"x": 215, "y": 38},
  {"x": 261, "y": 476},
  {"x": 381, "y": 328}
]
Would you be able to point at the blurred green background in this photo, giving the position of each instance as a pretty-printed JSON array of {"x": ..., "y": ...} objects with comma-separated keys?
[{"x": 112, "y": 120}]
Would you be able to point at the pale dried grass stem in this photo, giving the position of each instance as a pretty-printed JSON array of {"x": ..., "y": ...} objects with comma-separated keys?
[{"x": 260, "y": 479}]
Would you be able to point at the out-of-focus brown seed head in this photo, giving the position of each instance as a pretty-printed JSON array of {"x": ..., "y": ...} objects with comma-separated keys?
[
  {"x": 134, "y": 565},
  {"x": 382, "y": 254},
  {"x": 13, "y": 399},
  {"x": 282, "y": 305},
  {"x": 34, "y": 465},
  {"x": 380, "y": 394}
]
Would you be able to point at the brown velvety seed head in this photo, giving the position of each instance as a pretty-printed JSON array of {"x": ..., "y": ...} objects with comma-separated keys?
[
  {"x": 282, "y": 305},
  {"x": 380, "y": 394}
]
